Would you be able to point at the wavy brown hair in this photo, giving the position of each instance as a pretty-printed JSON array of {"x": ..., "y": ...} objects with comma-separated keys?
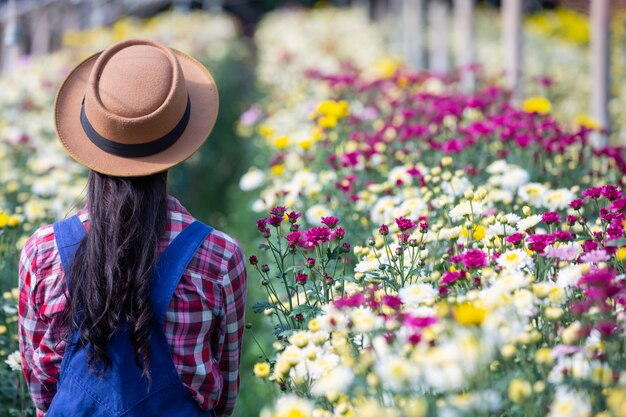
[{"x": 111, "y": 280}]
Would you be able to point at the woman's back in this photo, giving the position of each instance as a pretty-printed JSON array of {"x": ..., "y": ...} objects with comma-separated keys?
[{"x": 203, "y": 325}]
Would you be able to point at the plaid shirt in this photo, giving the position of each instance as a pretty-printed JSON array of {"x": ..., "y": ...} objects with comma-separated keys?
[{"x": 204, "y": 322}]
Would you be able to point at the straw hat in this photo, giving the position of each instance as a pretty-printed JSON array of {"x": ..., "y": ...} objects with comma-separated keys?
[{"x": 136, "y": 108}]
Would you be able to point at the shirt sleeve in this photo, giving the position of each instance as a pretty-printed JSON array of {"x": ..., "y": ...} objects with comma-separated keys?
[
  {"x": 234, "y": 287},
  {"x": 40, "y": 357}
]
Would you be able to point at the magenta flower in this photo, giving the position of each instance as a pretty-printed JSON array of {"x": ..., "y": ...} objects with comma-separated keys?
[
  {"x": 450, "y": 277},
  {"x": 474, "y": 258},
  {"x": 275, "y": 220},
  {"x": 294, "y": 216},
  {"x": 418, "y": 322},
  {"x": 611, "y": 192},
  {"x": 354, "y": 300},
  {"x": 452, "y": 146},
  {"x": 537, "y": 243},
  {"x": 310, "y": 262},
  {"x": 383, "y": 230},
  {"x": 593, "y": 192},
  {"x": 294, "y": 237},
  {"x": 550, "y": 217},
  {"x": 301, "y": 278},
  {"x": 515, "y": 238},
  {"x": 330, "y": 221},
  {"x": 392, "y": 301},
  {"x": 405, "y": 224},
  {"x": 317, "y": 235},
  {"x": 589, "y": 245},
  {"x": 578, "y": 203},
  {"x": 337, "y": 234}
]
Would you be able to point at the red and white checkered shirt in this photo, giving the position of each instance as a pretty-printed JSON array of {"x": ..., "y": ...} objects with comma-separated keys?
[{"x": 204, "y": 322}]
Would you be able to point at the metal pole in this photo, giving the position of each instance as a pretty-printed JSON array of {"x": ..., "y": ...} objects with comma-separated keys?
[
  {"x": 512, "y": 42},
  {"x": 600, "y": 66}
]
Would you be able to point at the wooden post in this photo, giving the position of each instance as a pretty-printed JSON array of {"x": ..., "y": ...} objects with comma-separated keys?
[
  {"x": 438, "y": 36},
  {"x": 40, "y": 31},
  {"x": 512, "y": 42},
  {"x": 10, "y": 39},
  {"x": 600, "y": 67},
  {"x": 412, "y": 32},
  {"x": 464, "y": 45}
]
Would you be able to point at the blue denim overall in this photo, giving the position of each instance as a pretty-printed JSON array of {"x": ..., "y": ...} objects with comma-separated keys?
[{"x": 122, "y": 391}]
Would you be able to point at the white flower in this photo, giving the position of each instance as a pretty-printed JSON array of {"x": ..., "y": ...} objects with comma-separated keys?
[
  {"x": 315, "y": 213},
  {"x": 14, "y": 360},
  {"x": 465, "y": 208},
  {"x": 559, "y": 199},
  {"x": 415, "y": 295},
  {"x": 570, "y": 404},
  {"x": 456, "y": 187},
  {"x": 533, "y": 193},
  {"x": 365, "y": 320},
  {"x": 251, "y": 179},
  {"x": 396, "y": 373},
  {"x": 514, "y": 178},
  {"x": 291, "y": 405},
  {"x": 528, "y": 222},
  {"x": 399, "y": 174},
  {"x": 515, "y": 259},
  {"x": 338, "y": 380},
  {"x": 567, "y": 277}
]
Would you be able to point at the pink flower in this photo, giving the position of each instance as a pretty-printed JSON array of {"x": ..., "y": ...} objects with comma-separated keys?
[
  {"x": 301, "y": 278},
  {"x": 449, "y": 277},
  {"x": 474, "y": 258},
  {"x": 294, "y": 237},
  {"x": 595, "y": 256},
  {"x": 392, "y": 301},
  {"x": 611, "y": 192},
  {"x": 354, "y": 300},
  {"x": 564, "y": 253},
  {"x": 515, "y": 238},
  {"x": 578, "y": 203},
  {"x": 419, "y": 322},
  {"x": 593, "y": 192}
]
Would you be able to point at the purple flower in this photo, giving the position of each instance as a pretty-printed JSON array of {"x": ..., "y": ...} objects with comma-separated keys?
[
  {"x": 294, "y": 216},
  {"x": 383, "y": 230},
  {"x": 275, "y": 220},
  {"x": 550, "y": 217},
  {"x": 330, "y": 221},
  {"x": 404, "y": 224},
  {"x": 254, "y": 260},
  {"x": 261, "y": 224},
  {"x": 278, "y": 211},
  {"x": 474, "y": 258}
]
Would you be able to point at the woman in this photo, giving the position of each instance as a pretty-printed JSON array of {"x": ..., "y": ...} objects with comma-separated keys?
[{"x": 131, "y": 307}]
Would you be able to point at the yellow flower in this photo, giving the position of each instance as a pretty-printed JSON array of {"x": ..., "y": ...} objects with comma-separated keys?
[
  {"x": 13, "y": 221},
  {"x": 519, "y": 390},
  {"x": 536, "y": 105},
  {"x": 508, "y": 351},
  {"x": 4, "y": 219},
  {"x": 584, "y": 120},
  {"x": 305, "y": 143},
  {"x": 281, "y": 142},
  {"x": 262, "y": 369},
  {"x": 469, "y": 314},
  {"x": 278, "y": 169},
  {"x": 265, "y": 131},
  {"x": 387, "y": 67},
  {"x": 478, "y": 232},
  {"x": 621, "y": 253},
  {"x": 3, "y": 329},
  {"x": 327, "y": 122},
  {"x": 544, "y": 356},
  {"x": 616, "y": 402}
]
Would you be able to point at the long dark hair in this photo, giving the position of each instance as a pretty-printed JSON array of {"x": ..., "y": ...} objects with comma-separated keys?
[{"x": 110, "y": 281}]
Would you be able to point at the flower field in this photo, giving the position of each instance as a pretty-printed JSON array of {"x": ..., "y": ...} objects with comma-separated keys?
[
  {"x": 414, "y": 249},
  {"x": 429, "y": 252}
]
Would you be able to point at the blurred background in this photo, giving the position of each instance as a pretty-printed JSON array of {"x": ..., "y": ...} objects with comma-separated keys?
[{"x": 569, "y": 52}]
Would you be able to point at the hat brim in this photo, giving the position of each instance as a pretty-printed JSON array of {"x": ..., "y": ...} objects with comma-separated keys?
[{"x": 204, "y": 101}]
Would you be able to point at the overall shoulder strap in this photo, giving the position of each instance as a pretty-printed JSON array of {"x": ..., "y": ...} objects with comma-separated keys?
[
  {"x": 172, "y": 264},
  {"x": 68, "y": 234}
]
